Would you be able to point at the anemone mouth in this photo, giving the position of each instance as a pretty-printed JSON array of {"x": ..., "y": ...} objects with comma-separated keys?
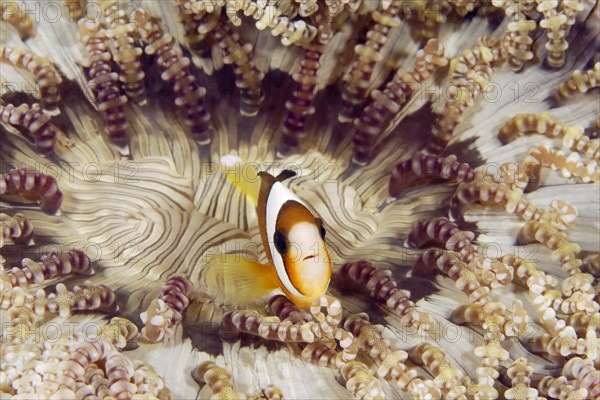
[{"x": 149, "y": 207}]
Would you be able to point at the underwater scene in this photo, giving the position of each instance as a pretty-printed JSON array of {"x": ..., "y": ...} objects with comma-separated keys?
[{"x": 300, "y": 199}]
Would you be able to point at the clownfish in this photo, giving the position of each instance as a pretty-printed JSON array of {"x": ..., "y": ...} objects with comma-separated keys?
[{"x": 293, "y": 239}]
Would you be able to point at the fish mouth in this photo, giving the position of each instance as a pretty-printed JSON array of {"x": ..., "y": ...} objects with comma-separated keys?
[{"x": 307, "y": 257}]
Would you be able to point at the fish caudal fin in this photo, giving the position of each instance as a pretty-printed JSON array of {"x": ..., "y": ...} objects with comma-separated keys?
[
  {"x": 242, "y": 175},
  {"x": 236, "y": 280}
]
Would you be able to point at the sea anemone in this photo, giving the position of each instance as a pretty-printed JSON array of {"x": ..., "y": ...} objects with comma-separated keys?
[{"x": 450, "y": 147}]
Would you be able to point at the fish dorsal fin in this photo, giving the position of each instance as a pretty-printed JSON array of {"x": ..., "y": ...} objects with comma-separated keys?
[{"x": 285, "y": 174}]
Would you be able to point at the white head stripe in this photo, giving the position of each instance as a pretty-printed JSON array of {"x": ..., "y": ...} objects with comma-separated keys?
[{"x": 277, "y": 197}]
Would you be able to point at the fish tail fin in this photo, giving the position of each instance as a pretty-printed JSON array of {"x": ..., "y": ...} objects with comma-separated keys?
[
  {"x": 233, "y": 279},
  {"x": 243, "y": 175}
]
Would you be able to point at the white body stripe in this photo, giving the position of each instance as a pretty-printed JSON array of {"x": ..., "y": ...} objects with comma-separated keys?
[{"x": 277, "y": 197}]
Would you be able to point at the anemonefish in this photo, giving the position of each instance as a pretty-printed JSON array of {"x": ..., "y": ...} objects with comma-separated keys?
[{"x": 293, "y": 239}]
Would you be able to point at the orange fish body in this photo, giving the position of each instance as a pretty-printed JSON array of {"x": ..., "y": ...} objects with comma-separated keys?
[{"x": 293, "y": 238}]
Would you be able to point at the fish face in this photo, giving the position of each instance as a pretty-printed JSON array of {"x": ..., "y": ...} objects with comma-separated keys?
[
  {"x": 300, "y": 254},
  {"x": 306, "y": 258}
]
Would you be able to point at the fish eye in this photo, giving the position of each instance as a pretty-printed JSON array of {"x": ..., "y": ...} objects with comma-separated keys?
[
  {"x": 280, "y": 244},
  {"x": 321, "y": 228}
]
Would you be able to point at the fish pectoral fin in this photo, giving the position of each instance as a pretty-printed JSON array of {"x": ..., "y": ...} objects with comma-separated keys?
[
  {"x": 285, "y": 174},
  {"x": 236, "y": 280}
]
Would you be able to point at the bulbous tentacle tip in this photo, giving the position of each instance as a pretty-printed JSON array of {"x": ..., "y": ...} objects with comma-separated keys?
[{"x": 203, "y": 140}]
